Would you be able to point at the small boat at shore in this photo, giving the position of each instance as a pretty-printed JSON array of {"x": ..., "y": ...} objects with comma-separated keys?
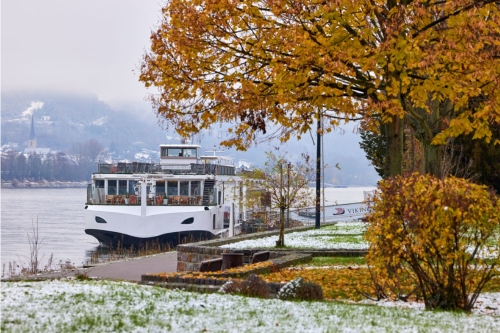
[{"x": 185, "y": 196}]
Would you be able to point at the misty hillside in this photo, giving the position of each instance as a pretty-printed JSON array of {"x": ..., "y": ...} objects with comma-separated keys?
[{"x": 63, "y": 119}]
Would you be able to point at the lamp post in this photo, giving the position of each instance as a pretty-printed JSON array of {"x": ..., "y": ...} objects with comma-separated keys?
[
  {"x": 318, "y": 173},
  {"x": 288, "y": 196}
]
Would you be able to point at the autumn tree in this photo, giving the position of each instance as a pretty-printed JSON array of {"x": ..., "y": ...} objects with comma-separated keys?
[
  {"x": 281, "y": 64},
  {"x": 286, "y": 184}
]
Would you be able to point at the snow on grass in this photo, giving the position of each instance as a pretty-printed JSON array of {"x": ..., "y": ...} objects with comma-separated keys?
[
  {"x": 103, "y": 306},
  {"x": 343, "y": 235},
  {"x": 487, "y": 303}
]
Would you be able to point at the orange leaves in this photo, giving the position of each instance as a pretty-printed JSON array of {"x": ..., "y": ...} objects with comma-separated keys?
[
  {"x": 342, "y": 283},
  {"x": 243, "y": 270},
  {"x": 338, "y": 283},
  {"x": 440, "y": 232},
  {"x": 291, "y": 59}
]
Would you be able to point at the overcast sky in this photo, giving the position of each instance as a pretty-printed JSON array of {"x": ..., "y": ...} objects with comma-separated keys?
[{"x": 89, "y": 46}]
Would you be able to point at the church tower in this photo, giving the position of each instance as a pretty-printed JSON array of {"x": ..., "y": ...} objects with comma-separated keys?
[{"x": 32, "y": 138}]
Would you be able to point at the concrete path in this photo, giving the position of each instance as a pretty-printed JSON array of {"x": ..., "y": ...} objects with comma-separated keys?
[{"x": 126, "y": 270}]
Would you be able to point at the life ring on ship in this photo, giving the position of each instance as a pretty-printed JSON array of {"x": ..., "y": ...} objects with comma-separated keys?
[
  {"x": 132, "y": 200},
  {"x": 159, "y": 200},
  {"x": 113, "y": 169}
]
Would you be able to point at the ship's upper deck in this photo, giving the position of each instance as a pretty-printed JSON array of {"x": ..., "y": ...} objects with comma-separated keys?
[{"x": 175, "y": 159}]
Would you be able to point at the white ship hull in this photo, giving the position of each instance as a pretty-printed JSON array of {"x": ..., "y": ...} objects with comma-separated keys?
[
  {"x": 136, "y": 203},
  {"x": 172, "y": 224}
]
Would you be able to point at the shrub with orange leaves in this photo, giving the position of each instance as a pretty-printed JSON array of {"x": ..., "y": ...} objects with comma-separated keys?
[{"x": 442, "y": 235}]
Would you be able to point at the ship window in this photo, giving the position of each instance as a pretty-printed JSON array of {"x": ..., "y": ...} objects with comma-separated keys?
[
  {"x": 188, "y": 221},
  {"x": 111, "y": 187},
  {"x": 189, "y": 152},
  {"x": 99, "y": 219},
  {"x": 174, "y": 152},
  {"x": 195, "y": 188},
  {"x": 122, "y": 187},
  {"x": 160, "y": 187},
  {"x": 131, "y": 187},
  {"x": 172, "y": 188},
  {"x": 184, "y": 187},
  {"x": 99, "y": 183},
  {"x": 163, "y": 152}
]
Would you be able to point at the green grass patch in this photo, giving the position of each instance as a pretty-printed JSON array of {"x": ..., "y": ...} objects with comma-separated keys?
[{"x": 337, "y": 261}]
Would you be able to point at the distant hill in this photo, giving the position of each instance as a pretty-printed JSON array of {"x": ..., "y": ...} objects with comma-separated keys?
[{"x": 63, "y": 119}]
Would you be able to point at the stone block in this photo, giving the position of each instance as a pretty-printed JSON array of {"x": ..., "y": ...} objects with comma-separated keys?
[{"x": 181, "y": 266}]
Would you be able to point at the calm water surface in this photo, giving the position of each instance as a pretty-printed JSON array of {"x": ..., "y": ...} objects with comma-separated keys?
[
  {"x": 60, "y": 224},
  {"x": 60, "y": 221}
]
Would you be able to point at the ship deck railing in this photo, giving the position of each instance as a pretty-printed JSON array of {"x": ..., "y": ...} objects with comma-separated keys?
[
  {"x": 173, "y": 200},
  {"x": 175, "y": 169}
]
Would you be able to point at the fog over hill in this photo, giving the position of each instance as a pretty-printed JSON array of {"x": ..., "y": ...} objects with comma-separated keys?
[{"x": 132, "y": 131}]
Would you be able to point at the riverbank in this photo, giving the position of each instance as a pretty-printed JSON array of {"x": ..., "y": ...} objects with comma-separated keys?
[
  {"x": 130, "y": 269},
  {"x": 43, "y": 184}
]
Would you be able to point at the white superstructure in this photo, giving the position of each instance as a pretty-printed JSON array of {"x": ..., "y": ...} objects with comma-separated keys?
[{"x": 185, "y": 196}]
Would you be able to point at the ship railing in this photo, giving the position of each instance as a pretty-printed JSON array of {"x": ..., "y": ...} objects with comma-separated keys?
[
  {"x": 176, "y": 169},
  {"x": 159, "y": 200}
]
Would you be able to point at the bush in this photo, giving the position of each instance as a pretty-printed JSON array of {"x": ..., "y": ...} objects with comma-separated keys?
[
  {"x": 230, "y": 287},
  {"x": 253, "y": 286},
  {"x": 301, "y": 290},
  {"x": 442, "y": 234}
]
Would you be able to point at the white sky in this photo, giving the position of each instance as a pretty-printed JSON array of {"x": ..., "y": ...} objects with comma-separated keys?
[{"x": 89, "y": 46}]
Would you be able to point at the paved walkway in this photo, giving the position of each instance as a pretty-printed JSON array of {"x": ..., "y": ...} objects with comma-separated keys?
[{"x": 127, "y": 270}]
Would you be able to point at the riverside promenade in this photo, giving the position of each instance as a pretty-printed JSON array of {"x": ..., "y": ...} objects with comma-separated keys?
[{"x": 124, "y": 270}]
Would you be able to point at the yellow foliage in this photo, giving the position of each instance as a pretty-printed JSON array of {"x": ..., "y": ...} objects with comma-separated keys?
[
  {"x": 348, "y": 282},
  {"x": 444, "y": 233},
  {"x": 216, "y": 275},
  {"x": 255, "y": 63}
]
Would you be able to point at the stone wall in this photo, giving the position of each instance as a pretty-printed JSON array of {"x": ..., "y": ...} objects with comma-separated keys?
[{"x": 189, "y": 256}]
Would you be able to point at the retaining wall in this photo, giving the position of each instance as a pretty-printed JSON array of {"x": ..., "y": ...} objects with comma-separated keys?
[{"x": 190, "y": 256}]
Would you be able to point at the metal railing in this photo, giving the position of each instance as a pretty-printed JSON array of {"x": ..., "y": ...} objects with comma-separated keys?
[
  {"x": 159, "y": 200},
  {"x": 176, "y": 169}
]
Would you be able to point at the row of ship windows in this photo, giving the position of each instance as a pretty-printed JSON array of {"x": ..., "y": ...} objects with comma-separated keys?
[{"x": 171, "y": 187}]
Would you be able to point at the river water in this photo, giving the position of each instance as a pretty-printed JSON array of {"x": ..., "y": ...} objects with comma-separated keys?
[
  {"x": 59, "y": 213},
  {"x": 60, "y": 224}
]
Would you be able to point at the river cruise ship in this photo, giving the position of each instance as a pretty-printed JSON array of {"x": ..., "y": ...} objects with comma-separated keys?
[{"x": 184, "y": 197}]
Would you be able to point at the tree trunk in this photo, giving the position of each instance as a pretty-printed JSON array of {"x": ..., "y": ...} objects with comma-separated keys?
[
  {"x": 281, "y": 239},
  {"x": 394, "y": 157},
  {"x": 433, "y": 159}
]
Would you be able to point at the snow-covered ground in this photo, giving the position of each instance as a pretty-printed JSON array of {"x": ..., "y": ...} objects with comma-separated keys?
[
  {"x": 487, "y": 303},
  {"x": 343, "y": 235},
  {"x": 103, "y": 306}
]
